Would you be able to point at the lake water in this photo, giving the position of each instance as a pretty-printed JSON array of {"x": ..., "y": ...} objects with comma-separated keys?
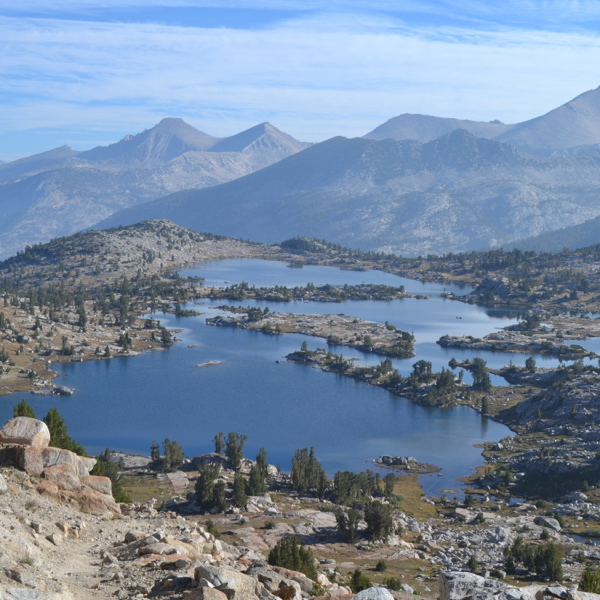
[{"x": 126, "y": 403}]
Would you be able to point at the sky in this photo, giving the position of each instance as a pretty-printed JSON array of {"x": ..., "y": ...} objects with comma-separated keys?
[{"x": 88, "y": 72}]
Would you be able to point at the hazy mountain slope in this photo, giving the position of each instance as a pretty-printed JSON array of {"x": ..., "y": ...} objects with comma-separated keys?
[
  {"x": 574, "y": 124},
  {"x": 573, "y": 237},
  {"x": 37, "y": 163},
  {"x": 62, "y": 191},
  {"x": 424, "y": 128},
  {"x": 454, "y": 193},
  {"x": 571, "y": 127}
]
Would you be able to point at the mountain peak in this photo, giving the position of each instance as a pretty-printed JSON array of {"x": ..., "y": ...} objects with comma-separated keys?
[
  {"x": 425, "y": 128},
  {"x": 168, "y": 139},
  {"x": 575, "y": 124},
  {"x": 264, "y": 135}
]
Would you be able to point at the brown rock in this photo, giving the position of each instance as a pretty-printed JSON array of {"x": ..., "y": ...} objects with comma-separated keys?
[
  {"x": 64, "y": 476},
  {"x": 55, "y": 538},
  {"x": 34, "y": 459},
  {"x": 63, "y": 527},
  {"x": 26, "y": 431},
  {"x": 234, "y": 584},
  {"x": 287, "y": 592},
  {"x": 31, "y": 460},
  {"x": 59, "y": 456},
  {"x": 95, "y": 502},
  {"x": 175, "y": 561},
  {"x": 97, "y": 483},
  {"x": 204, "y": 593}
]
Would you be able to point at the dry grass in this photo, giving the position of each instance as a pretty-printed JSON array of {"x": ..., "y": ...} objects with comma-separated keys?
[
  {"x": 142, "y": 488},
  {"x": 409, "y": 488}
]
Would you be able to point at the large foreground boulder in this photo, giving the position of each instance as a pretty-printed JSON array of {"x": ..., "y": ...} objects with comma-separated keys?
[
  {"x": 25, "y": 431},
  {"x": 374, "y": 593},
  {"x": 458, "y": 585},
  {"x": 235, "y": 585}
]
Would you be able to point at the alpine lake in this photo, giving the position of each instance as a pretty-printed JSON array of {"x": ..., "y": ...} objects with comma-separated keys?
[{"x": 126, "y": 403}]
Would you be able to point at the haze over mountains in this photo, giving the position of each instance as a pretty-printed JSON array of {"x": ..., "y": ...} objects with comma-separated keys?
[
  {"x": 566, "y": 129},
  {"x": 415, "y": 185},
  {"x": 455, "y": 193},
  {"x": 62, "y": 191}
]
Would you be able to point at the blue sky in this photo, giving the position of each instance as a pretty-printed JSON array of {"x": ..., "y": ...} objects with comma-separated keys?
[{"x": 88, "y": 72}]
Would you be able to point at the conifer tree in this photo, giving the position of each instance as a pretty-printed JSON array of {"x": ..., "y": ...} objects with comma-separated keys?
[
  {"x": 23, "y": 409},
  {"x": 239, "y": 498}
]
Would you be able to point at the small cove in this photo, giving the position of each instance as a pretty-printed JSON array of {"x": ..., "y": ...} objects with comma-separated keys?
[{"x": 126, "y": 403}]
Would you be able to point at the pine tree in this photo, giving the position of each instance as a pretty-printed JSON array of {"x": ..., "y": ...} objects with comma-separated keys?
[
  {"x": 239, "y": 497},
  {"x": 380, "y": 520},
  {"x": 219, "y": 442},
  {"x": 261, "y": 461},
  {"x": 389, "y": 481},
  {"x": 289, "y": 554},
  {"x": 359, "y": 581},
  {"x": 205, "y": 486},
  {"x": 219, "y": 502},
  {"x": 23, "y": 409},
  {"x": 256, "y": 481},
  {"x": 59, "y": 438},
  {"x": 155, "y": 453},
  {"x": 234, "y": 450}
]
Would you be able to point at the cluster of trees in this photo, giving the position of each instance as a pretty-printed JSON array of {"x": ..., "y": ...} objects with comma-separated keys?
[
  {"x": 481, "y": 378},
  {"x": 307, "y": 472},
  {"x": 351, "y": 488},
  {"x": 544, "y": 559},
  {"x": 590, "y": 581},
  {"x": 330, "y": 292},
  {"x": 290, "y": 554},
  {"x": 171, "y": 459},
  {"x": 378, "y": 516},
  {"x": 211, "y": 491}
]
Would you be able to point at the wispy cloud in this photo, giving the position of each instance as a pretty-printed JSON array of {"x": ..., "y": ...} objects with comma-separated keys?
[{"x": 313, "y": 74}]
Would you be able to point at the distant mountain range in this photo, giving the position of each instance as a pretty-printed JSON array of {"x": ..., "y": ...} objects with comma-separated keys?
[
  {"x": 455, "y": 193},
  {"x": 415, "y": 185},
  {"x": 570, "y": 128},
  {"x": 62, "y": 191}
]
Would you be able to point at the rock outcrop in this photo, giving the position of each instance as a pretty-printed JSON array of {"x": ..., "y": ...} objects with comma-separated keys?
[{"x": 65, "y": 476}]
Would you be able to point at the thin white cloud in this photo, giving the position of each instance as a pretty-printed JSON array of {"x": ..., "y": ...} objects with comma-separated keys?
[
  {"x": 536, "y": 14},
  {"x": 315, "y": 77}
]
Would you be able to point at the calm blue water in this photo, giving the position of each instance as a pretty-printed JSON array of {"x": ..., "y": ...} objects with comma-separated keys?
[{"x": 126, "y": 403}]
